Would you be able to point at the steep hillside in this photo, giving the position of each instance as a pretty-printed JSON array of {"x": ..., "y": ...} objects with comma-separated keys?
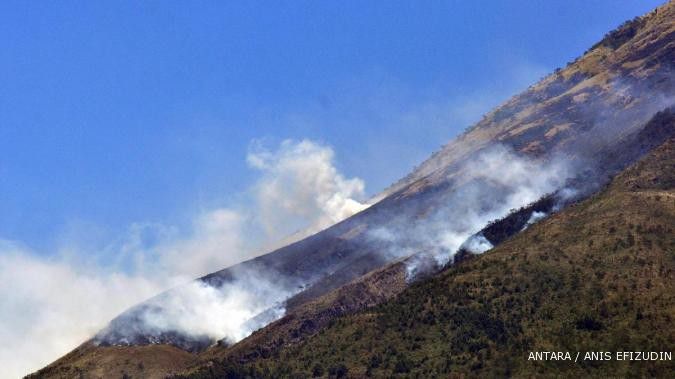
[
  {"x": 580, "y": 108},
  {"x": 383, "y": 284},
  {"x": 598, "y": 276},
  {"x": 576, "y": 112},
  {"x": 581, "y": 113}
]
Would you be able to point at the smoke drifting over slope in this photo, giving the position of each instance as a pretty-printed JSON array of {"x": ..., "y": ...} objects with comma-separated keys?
[
  {"x": 50, "y": 305},
  {"x": 194, "y": 316},
  {"x": 47, "y": 307},
  {"x": 488, "y": 187},
  {"x": 477, "y": 244}
]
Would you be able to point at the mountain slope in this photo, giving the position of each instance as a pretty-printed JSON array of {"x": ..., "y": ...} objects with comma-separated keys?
[
  {"x": 586, "y": 107},
  {"x": 580, "y": 112},
  {"x": 305, "y": 321},
  {"x": 596, "y": 96},
  {"x": 598, "y": 276}
]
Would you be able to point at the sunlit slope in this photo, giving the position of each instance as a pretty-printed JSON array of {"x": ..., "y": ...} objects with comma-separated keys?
[{"x": 622, "y": 79}]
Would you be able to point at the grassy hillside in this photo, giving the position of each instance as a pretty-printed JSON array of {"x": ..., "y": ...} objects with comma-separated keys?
[
  {"x": 89, "y": 361},
  {"x": 598, "y": 276}
]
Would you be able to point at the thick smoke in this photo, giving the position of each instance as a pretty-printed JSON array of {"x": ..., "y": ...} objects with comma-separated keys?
[
  {"x": 301, "y": 188},
  {"x": 50, "y": 305},
  {"x": 488, "y": 188},
  {"x": 300, "y": 191},
  {"x": 477, "y": 244},
  {"x": 203, "y": 313}
]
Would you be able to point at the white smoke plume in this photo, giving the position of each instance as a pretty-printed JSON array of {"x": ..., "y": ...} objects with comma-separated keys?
[
  {"x": 198, "y": 309},
  {"x": 50, "y": 305},
  {"x": 300, "y": 187},
  {"x": 477, "y": 244},
  {"x": 534, "y": 218},
  {"x": 489, "y": 187}
]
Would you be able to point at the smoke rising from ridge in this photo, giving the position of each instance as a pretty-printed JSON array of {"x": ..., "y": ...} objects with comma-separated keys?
[
  {"x": 496, "y": 181},
  {"x": 202, "y": 312},
  {"x": 300, "y": 187},
  {"x": 50, "y": 305},
  {"x": 477, "y": 244},
  {"x": 488, "y": 187}
]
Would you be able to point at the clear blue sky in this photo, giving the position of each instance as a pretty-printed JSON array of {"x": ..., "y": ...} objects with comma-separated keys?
[{"x": 115, "y": 112}]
